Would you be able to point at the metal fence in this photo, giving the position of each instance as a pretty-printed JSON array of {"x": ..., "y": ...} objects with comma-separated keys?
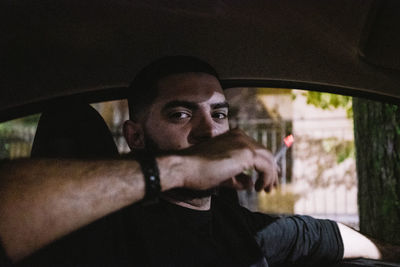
[{"x": 318, "y": 175}]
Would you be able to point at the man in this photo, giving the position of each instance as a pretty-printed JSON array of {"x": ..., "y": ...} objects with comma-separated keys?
[{"x": 179, "y": 128}]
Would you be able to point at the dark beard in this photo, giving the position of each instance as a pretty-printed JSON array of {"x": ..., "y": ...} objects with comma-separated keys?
[{"x": 180, "y": 194}]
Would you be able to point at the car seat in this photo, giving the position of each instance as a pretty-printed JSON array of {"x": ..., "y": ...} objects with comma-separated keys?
[{"x": 73, "y": 130}]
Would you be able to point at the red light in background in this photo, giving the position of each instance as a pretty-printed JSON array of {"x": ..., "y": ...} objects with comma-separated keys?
[{"x": 288, "y": 140}]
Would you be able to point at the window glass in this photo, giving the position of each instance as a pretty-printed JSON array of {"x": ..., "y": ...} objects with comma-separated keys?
[
  {"x": 318, "y": 173},
  {"x": 16, "y": 137}
]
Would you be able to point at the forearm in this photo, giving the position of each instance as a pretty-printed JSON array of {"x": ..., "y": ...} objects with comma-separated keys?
[
  {"x": 43, "y": 200},
  {"x": 357, "y": 245}
]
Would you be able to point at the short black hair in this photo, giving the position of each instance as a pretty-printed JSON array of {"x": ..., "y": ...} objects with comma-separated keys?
[{"x": 143, "y": 89}]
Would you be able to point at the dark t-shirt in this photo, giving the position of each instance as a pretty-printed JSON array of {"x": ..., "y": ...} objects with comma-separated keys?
[{"x": 164, "y": 234}]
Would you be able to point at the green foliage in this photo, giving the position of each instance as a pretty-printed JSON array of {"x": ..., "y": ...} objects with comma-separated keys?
[
  {"x": 345, "y": 151},
  {"x": 330, "y": 101},
  {"x": 342, "y": 149},
  {"x": 25, "y": 121}
]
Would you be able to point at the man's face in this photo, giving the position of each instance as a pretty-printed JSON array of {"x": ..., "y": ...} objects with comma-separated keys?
[{"x": 189, "y": 108}]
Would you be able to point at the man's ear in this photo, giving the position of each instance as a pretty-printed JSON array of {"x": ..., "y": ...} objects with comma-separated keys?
[{"x": 134, "y": 135}]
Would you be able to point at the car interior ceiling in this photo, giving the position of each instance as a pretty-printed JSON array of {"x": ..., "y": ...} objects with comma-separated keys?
[{"x": 49, "y": 55}]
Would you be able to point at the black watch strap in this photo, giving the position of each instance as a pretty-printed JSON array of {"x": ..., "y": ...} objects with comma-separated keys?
[{"x": 151, "y": 175}]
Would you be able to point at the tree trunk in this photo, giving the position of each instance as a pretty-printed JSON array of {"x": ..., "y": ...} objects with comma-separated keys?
[{"x": 377, "y": 139}]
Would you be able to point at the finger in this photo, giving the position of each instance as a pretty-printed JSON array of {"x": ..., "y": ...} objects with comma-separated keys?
[
  {"x": 265, "y": 165},
  {"x": 275, "y": 180},
  {"x": 267, "y": 170},
  {"x": 265, "y": 181},
  {"x": 276, "y": 184},
  {"x": 270, "y": 186},
  {"x": 260, "y": 183}
]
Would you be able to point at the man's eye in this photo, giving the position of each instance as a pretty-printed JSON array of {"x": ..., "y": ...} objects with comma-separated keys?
[
  {"x": 220, "y": 115},
  {"x": 179, "y": 115}
]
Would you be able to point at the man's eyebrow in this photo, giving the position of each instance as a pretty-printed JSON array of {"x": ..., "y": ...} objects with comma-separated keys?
[
  {"x": 220, "y": 105},
  {"x": 193, "y": 105},
  {"x": 181, "y": 103}
]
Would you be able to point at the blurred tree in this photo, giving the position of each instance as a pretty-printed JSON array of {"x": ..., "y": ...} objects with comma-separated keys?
[
  {"x": 377, "y": 141},
  {"x": 330, "y": 101},
  {"x": 377, "y": 138}
]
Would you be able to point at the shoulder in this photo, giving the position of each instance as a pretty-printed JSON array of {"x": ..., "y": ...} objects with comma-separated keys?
[{"x": 254, "y": 220}]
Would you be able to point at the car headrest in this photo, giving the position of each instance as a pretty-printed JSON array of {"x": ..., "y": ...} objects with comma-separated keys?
[{"x": 73, "y": 130}]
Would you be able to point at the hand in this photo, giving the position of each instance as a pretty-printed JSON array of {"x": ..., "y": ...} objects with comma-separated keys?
[{"x": 223, "y": 160}]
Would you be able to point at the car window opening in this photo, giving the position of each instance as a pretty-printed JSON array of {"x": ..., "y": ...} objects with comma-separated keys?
[{"x": 318, "y": 174}]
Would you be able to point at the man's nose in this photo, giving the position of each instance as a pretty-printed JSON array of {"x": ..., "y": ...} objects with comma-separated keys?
[{"x": 202, "y": 129}]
